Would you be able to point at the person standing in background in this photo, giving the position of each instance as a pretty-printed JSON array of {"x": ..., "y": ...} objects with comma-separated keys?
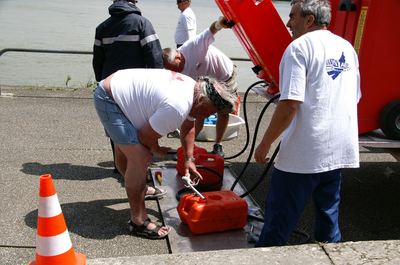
[
  {"x": 317, "y": 117},
  {"x": 186, "y": 27},
  {"x": 126, "y": 40}
]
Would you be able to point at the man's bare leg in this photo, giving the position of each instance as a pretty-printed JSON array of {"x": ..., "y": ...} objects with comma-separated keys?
[
  {"x": 198, "y": 126},
  {"x": 222, "y": 124},
  {"x": 120, "y": 161},
  {"x": 220, "y": 128},
  {"x": 138, "y": 158}
]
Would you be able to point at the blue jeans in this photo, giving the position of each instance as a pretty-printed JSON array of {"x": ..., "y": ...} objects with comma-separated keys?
[
  {"x": 115, "y": 123},
  {"x": 287, "y": 197}
]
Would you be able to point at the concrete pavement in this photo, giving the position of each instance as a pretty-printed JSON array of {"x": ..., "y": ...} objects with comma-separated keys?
[
  {"x": 370, "y": 252},
  {"x": 57, "y": 131}
]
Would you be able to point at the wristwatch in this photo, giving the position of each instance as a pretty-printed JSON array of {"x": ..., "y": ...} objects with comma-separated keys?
[{"x": 190, "y": 159}]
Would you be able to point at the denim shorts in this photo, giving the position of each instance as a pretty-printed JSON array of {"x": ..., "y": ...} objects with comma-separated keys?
[{"x": 115, "y": 123}]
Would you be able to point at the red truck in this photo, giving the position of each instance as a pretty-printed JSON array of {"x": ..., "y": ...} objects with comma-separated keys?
[{"x": 370, "y": 25}]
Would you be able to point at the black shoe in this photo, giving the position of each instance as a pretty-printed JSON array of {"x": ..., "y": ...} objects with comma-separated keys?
[
  {"x": 143, "y": 231},
  {"x": 217, "y": 149},
  {"x": 174, "y": 134}
]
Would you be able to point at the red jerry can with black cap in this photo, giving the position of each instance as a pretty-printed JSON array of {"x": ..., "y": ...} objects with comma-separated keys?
[
  {"x": 210, "y": 166},
  {"x": 219, "y": 211},
  {"x": 261, "y": 32}
]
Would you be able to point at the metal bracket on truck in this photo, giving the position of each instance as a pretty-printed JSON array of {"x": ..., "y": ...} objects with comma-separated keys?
[{"x": 377, "y": 139}]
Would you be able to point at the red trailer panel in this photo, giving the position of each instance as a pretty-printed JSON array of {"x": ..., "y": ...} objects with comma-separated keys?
[
  {"x": 370, "y": 26},
  {"x": 261, "y": 32}
]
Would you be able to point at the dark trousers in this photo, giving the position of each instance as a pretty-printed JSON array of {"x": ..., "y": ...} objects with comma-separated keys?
[{"x": 287, "y": 197}]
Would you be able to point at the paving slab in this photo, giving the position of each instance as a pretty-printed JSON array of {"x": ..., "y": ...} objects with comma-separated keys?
[
  {"x": 365, "y": 252},
  {"x": 302, "y": 254}
]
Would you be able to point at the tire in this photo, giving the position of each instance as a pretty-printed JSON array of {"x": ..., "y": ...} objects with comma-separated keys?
[{"x": 389, "y": 120}]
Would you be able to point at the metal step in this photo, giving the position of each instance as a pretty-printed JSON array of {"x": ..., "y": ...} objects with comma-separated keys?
[
  {"x": 181, "y": 239},
  {"x": 377, "y": 139}
]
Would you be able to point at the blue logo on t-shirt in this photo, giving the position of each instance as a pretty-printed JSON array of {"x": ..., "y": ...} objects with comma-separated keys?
[{"x": 335, "y": 67}]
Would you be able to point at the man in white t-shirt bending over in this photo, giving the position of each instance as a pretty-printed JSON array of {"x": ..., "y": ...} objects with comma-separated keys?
[
  {"x": 186, "y": 27},
  {"x": 197, "y": 57},
  {"x": 317, "y": 114},
  {"x": 136, "y": 109}
]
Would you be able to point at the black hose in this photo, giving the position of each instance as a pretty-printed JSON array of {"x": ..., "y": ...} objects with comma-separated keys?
[
  {"x": 299, "y": 232},
  {"x": 270, "y": 162},
  {"x": 268, "y": 166},
  {"x": 264, "y": 174},
  {"x": 254, "y": 140},
  {"x": 202, "y": 187},
  {"x": 245, "y": 119}
]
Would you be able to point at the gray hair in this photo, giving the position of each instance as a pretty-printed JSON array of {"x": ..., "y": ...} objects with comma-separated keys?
[
  {"x": 169, "y": 55},
  {"x": 132, "y": 1},
  {"x": 320, "y": 9},
  {"x": 217, "y": 93}
]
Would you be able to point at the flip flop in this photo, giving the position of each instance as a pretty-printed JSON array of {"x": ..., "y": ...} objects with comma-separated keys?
[{"x": 156, "y": 195}]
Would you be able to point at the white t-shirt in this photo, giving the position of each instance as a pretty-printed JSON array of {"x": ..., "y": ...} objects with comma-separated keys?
[
  {"x": 320, "y": 69},
  {"x": 162, "y": 97},
  {"x": 203, "y": 59},
  {"x": 186, "y": 27}
]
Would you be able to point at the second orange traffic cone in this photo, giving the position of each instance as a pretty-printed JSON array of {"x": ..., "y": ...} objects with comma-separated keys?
[{"x": 53, "y": 244}]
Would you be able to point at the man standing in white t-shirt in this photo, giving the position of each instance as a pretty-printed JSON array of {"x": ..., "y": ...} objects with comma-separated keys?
[
  {"x": 317, "y": 115},
  {"x": 136, "y": 109},
  {"x": 197, "y": 57},
  {"x": 186, "y": 27}
]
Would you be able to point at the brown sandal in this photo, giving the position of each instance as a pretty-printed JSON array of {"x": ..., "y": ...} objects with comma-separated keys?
[{"x": 143, "y": 231}]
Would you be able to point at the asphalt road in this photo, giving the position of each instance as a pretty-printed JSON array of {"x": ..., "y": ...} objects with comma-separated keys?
[{"x": 58, "y": 132}]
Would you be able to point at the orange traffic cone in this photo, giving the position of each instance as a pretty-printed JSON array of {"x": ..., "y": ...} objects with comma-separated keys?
[{"x": 53, "y": 244}]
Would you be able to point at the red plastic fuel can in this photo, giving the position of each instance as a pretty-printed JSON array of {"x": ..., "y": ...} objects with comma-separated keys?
[
  {"x": 219, "y": 211},
  {"x": 180, "y": 164},
  {"x": 210, "y": 166}
]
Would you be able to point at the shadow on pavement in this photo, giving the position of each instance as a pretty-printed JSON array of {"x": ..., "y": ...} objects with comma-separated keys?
[
  {"x": 100, "y": 219},
  {"x": 72, "y": 172}
]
